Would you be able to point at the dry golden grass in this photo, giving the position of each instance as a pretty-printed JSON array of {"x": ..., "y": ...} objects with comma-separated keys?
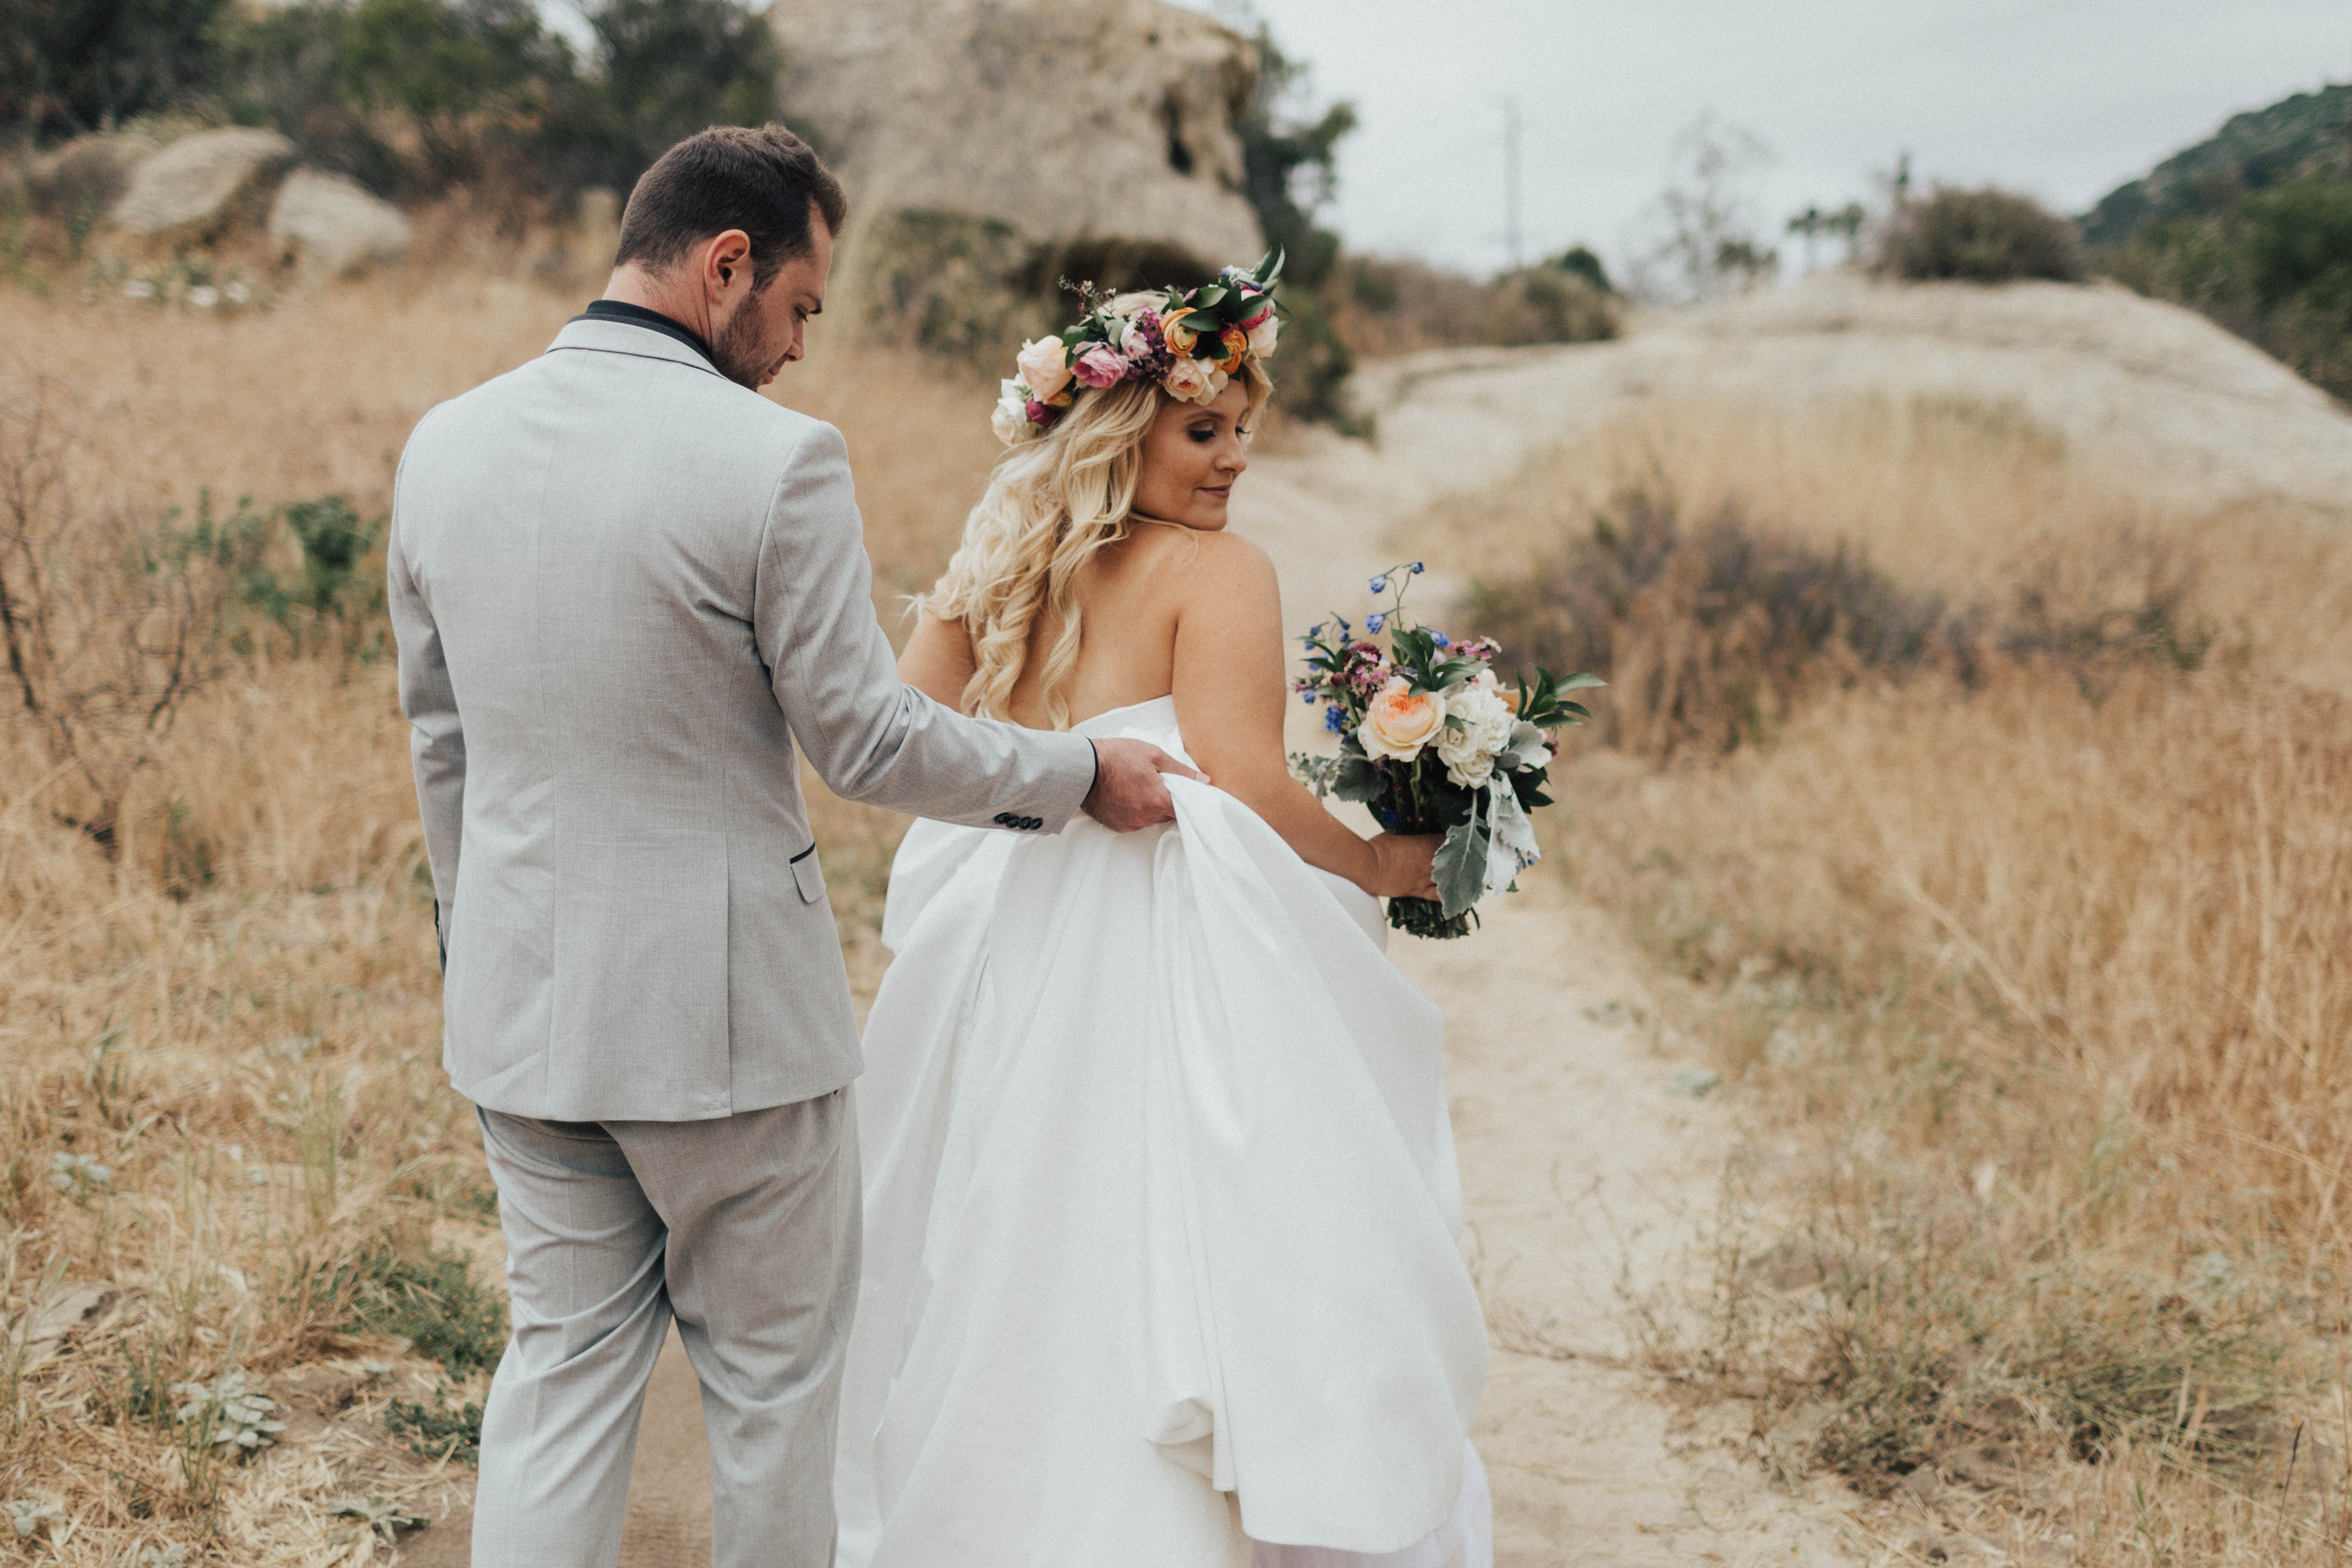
[
  {"x": 1972, "y": 501},
  {"x": 236, "y": 1012},
  {"x": 2040, "y": 982}
]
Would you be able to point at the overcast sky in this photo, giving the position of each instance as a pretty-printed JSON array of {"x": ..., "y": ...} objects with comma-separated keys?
[{"x": 2062, "y": 99}]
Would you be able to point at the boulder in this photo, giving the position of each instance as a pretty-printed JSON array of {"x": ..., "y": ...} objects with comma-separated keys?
[
  {"x": 1066, "y": 119},
  {"x": 329, "y": 224},
  {"x": 196, "y": 182},
  {"x": 86, "y": 177}
]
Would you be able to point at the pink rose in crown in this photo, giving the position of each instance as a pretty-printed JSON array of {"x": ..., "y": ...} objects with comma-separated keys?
[
  {"x": 1099, "y": 365},
  {"x": 1262, "y": 328},
  {"x": 1040, "y": 415}
]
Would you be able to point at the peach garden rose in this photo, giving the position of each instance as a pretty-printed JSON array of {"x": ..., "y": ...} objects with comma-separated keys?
[
  {"x": 1401, "y": 720},
  {"x": 1045, "y": 366}
]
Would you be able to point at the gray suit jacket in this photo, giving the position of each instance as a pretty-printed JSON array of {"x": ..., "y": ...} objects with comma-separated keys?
[{"x": 622, "y": 586}]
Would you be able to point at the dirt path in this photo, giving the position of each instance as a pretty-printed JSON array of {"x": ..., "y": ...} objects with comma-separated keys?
[{"x": 1584, "y": 1174}]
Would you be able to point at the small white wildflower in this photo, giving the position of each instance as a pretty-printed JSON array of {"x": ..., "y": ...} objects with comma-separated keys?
[
  {"x": 79, "y": 1173},
  {"x": 138, "y": 289},
  {"x": 237, "y": 292},
  {"x": 204, "y": 296}
]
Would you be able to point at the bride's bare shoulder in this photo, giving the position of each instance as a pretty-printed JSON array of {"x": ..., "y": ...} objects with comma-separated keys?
[{"x": 1192, "y": 561}]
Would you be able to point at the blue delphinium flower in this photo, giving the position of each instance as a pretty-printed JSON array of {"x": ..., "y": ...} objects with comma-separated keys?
[
  {"x": 1380, "y": 585},
  {"x": 1416, "y": 568},
  {"x": 1374, "y": 622},
  {"x": 1441, "y": 639},
  {"x": 1308, "y": 697},
  {"x": 1334, "y": 719}
]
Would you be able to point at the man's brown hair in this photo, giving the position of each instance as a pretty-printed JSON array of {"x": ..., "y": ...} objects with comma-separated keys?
[{"x": 761, "y": 181}]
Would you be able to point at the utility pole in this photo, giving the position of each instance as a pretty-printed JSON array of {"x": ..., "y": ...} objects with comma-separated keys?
[{"x": 1511, "y": 179}]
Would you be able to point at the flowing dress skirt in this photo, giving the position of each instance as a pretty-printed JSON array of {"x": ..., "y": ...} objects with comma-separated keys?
[{"x": 1161, "y": 1208}]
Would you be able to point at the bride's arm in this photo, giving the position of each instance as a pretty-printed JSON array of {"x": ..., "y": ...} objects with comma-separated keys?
[
  {"x": 1232, "y": 693},
  {"x": 938, "y": 660}
]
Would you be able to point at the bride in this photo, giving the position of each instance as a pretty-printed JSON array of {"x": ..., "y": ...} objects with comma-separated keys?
[{"x": 1160, "y": 1198}]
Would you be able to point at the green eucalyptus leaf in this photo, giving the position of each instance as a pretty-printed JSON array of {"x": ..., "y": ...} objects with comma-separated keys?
[
  {"x": 1358, "y": 780},
  {"x": 1460, "y": 868}
]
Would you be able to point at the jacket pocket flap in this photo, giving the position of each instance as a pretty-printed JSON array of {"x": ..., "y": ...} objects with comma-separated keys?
[{"x": 808, "y": 876}]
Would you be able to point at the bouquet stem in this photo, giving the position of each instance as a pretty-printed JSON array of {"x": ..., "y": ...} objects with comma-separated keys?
[{"x": 1426, "y": 918}]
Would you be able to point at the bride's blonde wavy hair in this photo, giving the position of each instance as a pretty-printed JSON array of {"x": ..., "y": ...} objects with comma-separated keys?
[{"x": 1051, "y": 503}]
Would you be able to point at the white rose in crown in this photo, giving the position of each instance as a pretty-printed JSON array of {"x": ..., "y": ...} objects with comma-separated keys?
[
  {"x": 1011, "y": 418},
  {"x": 1045, "y": 366},
  {"x": 1263, "y": 330},
  {"x": 1401, "y": 720},
  {"x": 1469, "y": 748},
  {"x": 1189, "y": 379}
]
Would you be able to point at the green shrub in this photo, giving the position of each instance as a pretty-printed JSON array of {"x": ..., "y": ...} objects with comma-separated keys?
[
  {"x": 435, "y": 1303},
  {"x": 1708, "y": 633},
  {"x": 436, "y": 1431},
  {"x": 1704, "y": 633},
  {"x": 1984, "y": 236},
  {"x": 2275, "y": 267},
  {"x": 413, "y": 97},
  {"x": 669, "y": 68},
  {"x": 71, "y": 67}
]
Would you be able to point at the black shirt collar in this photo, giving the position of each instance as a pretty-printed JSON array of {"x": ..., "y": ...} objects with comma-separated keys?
[{"x": 652, "y": 320}]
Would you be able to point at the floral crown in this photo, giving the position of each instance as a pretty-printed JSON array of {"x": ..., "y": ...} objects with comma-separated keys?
[{"x": 1190, "y": 341}]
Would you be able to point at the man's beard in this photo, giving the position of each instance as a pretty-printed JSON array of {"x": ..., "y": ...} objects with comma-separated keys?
[{"x": 739, "y": 354}]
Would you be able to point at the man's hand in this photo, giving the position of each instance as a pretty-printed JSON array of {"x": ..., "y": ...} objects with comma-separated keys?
[
  {"x": 1403, "y": 865},
  {"x": 1128, "y": 793}
]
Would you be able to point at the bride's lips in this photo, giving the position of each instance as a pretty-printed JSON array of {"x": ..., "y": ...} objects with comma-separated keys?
[{"x": 1222, "y": 492}]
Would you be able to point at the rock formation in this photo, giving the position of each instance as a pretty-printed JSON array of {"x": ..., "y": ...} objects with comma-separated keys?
[
  {"x": 1064, "y": 120},
  {"x": 330, "y": 225},
  {"x": 86, "y": 177},
  {"x": 195, "y": 183}
]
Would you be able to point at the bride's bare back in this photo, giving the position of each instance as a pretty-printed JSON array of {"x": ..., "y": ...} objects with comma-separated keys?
[{"x": 1196, "y": 615}]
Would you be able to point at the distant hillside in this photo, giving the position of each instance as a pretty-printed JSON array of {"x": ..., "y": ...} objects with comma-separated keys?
[{"x": 2310, "y": 133}]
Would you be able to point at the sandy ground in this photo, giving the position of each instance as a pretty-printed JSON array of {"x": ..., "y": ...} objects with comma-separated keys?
[{"x": 1585, "y": 1175}]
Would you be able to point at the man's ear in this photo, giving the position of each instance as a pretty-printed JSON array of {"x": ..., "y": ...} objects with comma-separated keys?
[{"x": 728, "y": 258}]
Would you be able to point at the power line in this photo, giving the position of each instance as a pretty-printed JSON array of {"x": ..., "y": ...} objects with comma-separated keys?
[{"x": 1511, "y": 179}]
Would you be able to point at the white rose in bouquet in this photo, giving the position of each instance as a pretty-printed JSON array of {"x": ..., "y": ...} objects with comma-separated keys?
[{"x": 1469, "y": 750}]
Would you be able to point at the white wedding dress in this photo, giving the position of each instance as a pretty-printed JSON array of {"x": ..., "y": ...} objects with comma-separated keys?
[{"x": 1161, "y": 1207}]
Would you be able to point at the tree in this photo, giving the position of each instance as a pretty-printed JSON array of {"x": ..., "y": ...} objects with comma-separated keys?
[
  {"x": 67, "y": 66},
  {"x": 1289, "y": 163},
  {"x": 665, "y": 70},
  {"x": 1289, "y": 166},
  {"x": 1705, "y": 243}
]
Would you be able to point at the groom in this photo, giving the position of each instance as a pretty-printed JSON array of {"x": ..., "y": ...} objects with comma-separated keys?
[{"x": 630, "y": 593}]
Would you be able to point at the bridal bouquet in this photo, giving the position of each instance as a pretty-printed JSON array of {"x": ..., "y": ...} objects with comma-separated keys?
[{"x": 1433, "y": 743}]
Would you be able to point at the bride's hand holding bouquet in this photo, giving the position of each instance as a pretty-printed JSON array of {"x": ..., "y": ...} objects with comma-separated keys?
[{"x": 1433, "y": 743}]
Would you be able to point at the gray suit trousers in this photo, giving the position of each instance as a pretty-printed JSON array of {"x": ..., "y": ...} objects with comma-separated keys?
[{"x": 746, "y": 1228}]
